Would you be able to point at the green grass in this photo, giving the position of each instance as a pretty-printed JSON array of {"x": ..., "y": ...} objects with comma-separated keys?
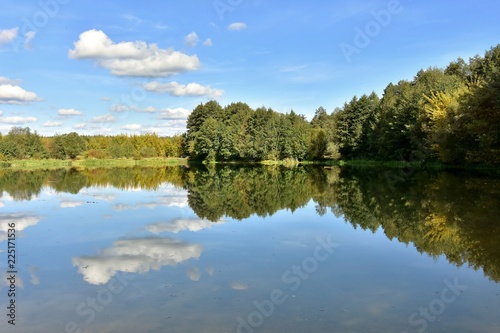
[{"x": 90, "y": 163}]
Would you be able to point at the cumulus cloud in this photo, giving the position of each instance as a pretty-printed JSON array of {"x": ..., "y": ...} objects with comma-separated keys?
[
  {"x": 22, "y": 221},
  {"x": 107, "y": 118},
  {"x": 172, "y": 114},
  {"x": 6, "y": 80},
  {"x": 132, "y": 127},
  {"x": 8, "y": 35},
  {"x": 132, "y": 58},
  {"x": 237, "y": 26},
  {"x": 14, "y": 94},
  {"x": 137, "y": 255},
  {"x": 17, "y": 120},
  {"x": 192, "y": 39},
  {"x": 52, "y": 124},
  {"x": 1, "y": 113},
  {"x": 69, "y": 112},
  {"x": 208, "y": 42},
  {"x": 177, "y": 90},
  {"x": 178, "y": 225}
]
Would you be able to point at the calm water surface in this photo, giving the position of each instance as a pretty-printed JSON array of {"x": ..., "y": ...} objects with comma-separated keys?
[{"x": 252, "y": 250}]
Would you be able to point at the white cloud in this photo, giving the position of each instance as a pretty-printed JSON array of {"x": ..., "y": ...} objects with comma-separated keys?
[
  {"x": 119, "y": 108},
  {"x": 125, "y": 108},
  {"x": 6, "y": 80},
  {"x": 180, "y": 123},
  {"x": 131, "y": 58},
  {"x": 69, "y": 112},
  {"x": 1, "y": 113},
  {"x": 17, "y": 120},
  {"x": 138, "y": 255},
  {"x": 107, "y": 118},
  {"x": 176, "y": 226},
  {"x": 70, "y": 204},
  {"x": 208, "y": 42},
  {"x": 236, "y": 26},
  {"x": 176, "y": 89},
  {"x": 8, "y": 35},
  {"x": 2, "y": 204},
  {"x": 22, "y": 221},
  {"x": 175, "y": 200},
  {"x": 149, "y": 109},
  {"x": 105, "y": 99},
  {"x": 132, "y": 127},
  {"x": 13, "y": 94},
  {"x": 172, "y": 114},
  {"x": 52, "y": 124},
  {"x": 192, "y": 39}
]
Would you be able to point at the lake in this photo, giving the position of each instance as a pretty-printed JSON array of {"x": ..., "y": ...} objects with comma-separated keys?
[{"x": 250, "y": 249}]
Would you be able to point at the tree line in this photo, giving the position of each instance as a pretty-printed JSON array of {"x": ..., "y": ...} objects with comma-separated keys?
[
  {"x": 448, "y": 115},
  {"x": 22, "y": 143}
]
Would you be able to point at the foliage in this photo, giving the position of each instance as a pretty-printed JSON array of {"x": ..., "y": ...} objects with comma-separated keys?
[
  {"x": 22, "y": 143},
  {"x": 449, "y": 115}
]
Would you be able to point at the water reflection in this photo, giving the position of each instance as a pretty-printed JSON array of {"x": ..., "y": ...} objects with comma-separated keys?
[
  {"x": 21, "y": 221},
  {"x": 177, "y": 225},
  {"x": 196, "y": 247},
  {"x": 137, "y": 255},
  {"x": 441, "y": 213}
]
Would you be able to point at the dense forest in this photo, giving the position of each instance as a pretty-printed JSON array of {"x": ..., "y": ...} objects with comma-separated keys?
[
  {"x": 22, "y": 143},
  {"x": 447, "y": 115},
  {"x": 440, "y": 213}
]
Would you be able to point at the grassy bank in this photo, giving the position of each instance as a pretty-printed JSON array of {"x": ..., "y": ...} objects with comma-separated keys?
[{"x": 90, "y": 163}]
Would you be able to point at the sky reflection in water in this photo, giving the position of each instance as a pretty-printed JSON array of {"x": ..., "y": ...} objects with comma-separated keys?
[{"x": 140, "y": 260}]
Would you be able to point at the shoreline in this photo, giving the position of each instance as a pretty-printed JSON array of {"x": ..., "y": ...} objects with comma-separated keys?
[
  {"x": 32, "y": 164},
  {"x": 90, "y": 163}
]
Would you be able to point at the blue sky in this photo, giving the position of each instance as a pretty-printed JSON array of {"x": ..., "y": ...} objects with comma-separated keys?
[{"x": 107, "y": 67}]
